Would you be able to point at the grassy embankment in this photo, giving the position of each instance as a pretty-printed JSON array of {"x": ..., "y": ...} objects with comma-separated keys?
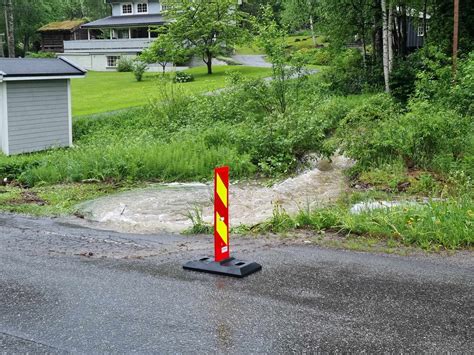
[
  {"x": 110, "y": 91},
  {"x": 124, "y": 139},
  {"x": 181, "y": 138}
]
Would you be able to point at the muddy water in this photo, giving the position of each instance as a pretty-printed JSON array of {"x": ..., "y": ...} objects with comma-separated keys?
[{"x": 165, "y": 207}]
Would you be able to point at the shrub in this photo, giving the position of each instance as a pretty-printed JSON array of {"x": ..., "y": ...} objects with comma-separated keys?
[
  {"x": 315, "y": 56},
  {"x": 183, "y": 77},
  {"x": 345, "y": 75},
  {"x": 40, "y": 55},
  {"x": 125, "y": 65},
  {"x": 370, "y": 133},
  {"x": 433, "y": 131},
  {"x": 139, "y": 68}
]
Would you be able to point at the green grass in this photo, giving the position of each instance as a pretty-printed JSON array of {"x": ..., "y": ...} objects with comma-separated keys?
[
  {"x": 248, "y": 49},
  {"x": 294, "y": 42},
  {"x": 110, "y": 91},
  {"x": 56, "y": 200},
  {"x": 433, "y": 225},
  {"x": 300, "y": 41}
]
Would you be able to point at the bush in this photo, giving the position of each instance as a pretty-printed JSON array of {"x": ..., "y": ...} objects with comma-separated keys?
[
  {"x": 371, "y": 134},
  {"x": 183, "y": 77},
  {"x": 345, "y": 76},
  {"x": 432, "y": 131},
  {"x": 315, "y": 56},
  {"x": 139, "y": 68},
  {"x": 125, "y": 65},
  {"x": 40, "y": 55}
]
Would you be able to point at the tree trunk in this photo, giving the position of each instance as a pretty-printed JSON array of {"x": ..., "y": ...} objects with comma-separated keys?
[
  {"x": 385, "y": 30},
  {"x": 390, "y": 39},
  {"x": 403, "y": 32},
  {"x": 2, "y": 53},
  {"x": 26, "y": 44},
  {"x": 9, "y": 25},
  {"x": 311, "y": 25},
  {"x": 208, "y": 62},
  {"x": 377, "y": 32},
  {"x": 455, "y": 38}
]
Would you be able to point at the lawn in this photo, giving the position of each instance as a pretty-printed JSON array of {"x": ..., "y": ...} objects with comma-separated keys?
[
  {"x": 110, "y": 91},
  {"x": 294, "y": 43}
]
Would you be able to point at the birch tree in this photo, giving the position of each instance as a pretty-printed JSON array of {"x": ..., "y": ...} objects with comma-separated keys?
[{"x": 386, "y": 54}]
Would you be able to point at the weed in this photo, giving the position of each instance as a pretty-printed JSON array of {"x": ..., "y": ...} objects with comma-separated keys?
[{"x": 199, "y": 226}]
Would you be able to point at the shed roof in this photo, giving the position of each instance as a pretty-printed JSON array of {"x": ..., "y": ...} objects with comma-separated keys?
[
  {"x": 38, "y": 67},
  {"x": 132, "y": 20},
  {"x": 62, "y": 26}
]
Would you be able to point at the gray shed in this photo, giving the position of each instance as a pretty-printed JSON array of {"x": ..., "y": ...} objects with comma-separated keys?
[{"x": 35, "y": 104}]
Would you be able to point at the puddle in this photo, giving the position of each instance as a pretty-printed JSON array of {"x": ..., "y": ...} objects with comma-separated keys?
[{"x": 164, "y": 207}]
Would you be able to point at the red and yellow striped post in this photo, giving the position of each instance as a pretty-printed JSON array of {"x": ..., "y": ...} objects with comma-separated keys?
[
  {"x": 221, "y": 214},
  {"x": 222, "y": 264}
]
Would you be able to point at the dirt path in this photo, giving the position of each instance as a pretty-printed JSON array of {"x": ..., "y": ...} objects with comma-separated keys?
[{"x": 166, "y": 207}]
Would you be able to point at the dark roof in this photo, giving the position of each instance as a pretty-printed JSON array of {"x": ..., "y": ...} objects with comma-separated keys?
[
  {"x": 130, "y": 20},
  {"x": 18, "y": 67},
  {"x": 62, "y": 26}
]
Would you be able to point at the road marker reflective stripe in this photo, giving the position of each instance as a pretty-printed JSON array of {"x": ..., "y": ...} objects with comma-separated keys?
[
  {"x": 222, "y": 264},
  {"x": 221, "y": 214}
]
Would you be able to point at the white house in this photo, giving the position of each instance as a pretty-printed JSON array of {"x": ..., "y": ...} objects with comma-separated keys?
[{"x": 124, "y": 34}]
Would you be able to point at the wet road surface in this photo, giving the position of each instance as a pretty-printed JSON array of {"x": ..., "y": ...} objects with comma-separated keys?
[{"x": 131, "y": 294}]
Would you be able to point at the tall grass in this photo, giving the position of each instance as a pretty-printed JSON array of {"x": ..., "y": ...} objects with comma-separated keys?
[
  {"x": 448, "y": 224},
  {"x": 134, "y": 161}
]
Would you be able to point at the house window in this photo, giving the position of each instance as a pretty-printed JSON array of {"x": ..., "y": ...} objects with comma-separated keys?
[
  {"x": 165, "y": 7},
  {"x": 421, "y": 31},
  {"x": 127, "y": 9},
  {"x": 142, "y": 8},
  {"x": 112, "y": 61}
]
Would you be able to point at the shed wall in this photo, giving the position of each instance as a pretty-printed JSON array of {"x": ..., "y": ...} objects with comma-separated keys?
[
  {"x": 38, "y": 115},
  {"x": 3, "y": 119}
]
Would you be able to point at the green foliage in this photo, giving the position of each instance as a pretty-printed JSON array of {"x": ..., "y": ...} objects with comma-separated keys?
[
  {"x": 41, "y": 55},
  {"x": 125, "y": 65},
  {"x": 299, "y": 14},
  {"x": 198, "y": 224},
  {"x": 432, "y": 131},
  {"x": 315, "y": 56},
  {"x": 426, "y": 135},
  {"x": 431, "y": 226},
  {"x": 139, "y": 68},
  {"x": 209, "y": 29},
  {"x": 346, "y": 74},
  {"x": 371, "y": 134},
  {"x": 272, "y": 40},
  {"x": 164, "y": 50},
  {"x": 88, "y": 93},
  {"x": 183, "y": 77}
]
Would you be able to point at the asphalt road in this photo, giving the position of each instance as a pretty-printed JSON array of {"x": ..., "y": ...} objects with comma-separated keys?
[{"x": 131, "y": 295}]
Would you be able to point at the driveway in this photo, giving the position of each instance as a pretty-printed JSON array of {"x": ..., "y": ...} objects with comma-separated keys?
[
  {"x": 256, "y": 60},
  {"x": 65, "y": 288}
]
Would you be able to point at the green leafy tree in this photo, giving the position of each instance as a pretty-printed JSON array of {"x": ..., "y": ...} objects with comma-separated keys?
[
  {"x": 164, "y": 50},
  {"x": 207, "y": 28},
  {"x": 301, "y": 14},
  {"x": 273, "y": 40}
]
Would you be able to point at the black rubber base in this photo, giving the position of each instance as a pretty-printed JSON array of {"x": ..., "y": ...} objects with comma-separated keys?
[{"x": 229, "y": 267}]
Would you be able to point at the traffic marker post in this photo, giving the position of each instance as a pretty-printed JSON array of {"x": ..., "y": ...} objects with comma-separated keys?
[{"x": 222, "y": 263}]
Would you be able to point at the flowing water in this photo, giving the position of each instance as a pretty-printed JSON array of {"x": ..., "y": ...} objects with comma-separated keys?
[{"x": 165, "y": 207}]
